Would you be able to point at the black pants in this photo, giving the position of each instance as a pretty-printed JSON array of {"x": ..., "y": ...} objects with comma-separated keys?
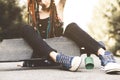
[
  {"x": 82, "y": 39},
  {"x": 42, "y": 49}
]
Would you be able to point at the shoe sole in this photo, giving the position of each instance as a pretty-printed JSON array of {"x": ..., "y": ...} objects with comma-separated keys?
[
  {"x": 110, "y": 71},
  {"x": 76, "y": 64},
  {"x": 112, "y": 68}
]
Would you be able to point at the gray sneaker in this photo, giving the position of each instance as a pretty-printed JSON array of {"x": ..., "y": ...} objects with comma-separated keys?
[{"x": 69, "y": 62}]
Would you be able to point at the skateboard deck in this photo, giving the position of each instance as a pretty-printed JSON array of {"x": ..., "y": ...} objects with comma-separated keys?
[{"x": 17, "y": 50}]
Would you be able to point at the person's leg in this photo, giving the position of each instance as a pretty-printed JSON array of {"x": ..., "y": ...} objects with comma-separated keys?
[
  {"x": 82, "y": 39},
  {"x": 37, "y": 43}
]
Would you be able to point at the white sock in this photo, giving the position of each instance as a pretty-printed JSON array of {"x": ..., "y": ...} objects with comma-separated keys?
[
  {"x": 53, "y": 55},
  {"x": 101, "y": 51}
]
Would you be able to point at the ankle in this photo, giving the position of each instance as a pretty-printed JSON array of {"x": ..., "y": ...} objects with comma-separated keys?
[
  {"x": 101, "y": 51},
  {"x": 53, "y": 55}
]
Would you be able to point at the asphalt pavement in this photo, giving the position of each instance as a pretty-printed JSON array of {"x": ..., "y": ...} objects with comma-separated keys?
[{"x": 8, "y": 71}]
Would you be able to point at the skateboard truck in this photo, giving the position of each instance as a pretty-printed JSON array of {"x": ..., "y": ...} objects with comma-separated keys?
[{"x": 89, "y": 62}]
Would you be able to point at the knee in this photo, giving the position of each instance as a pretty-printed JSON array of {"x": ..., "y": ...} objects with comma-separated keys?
[
  {"x": 26, "y": 27},
  {"x": 72, "y": 25}
]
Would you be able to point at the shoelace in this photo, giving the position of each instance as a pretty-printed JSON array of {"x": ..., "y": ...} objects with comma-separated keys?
[
  {"x": 64, "y": 60},
  {"x": 106, "y": 58}
]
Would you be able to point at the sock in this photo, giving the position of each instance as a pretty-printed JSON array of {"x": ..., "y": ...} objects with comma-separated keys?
[
  {"x": 53, "y": 55},
  {"x": 101, "y": 51}
]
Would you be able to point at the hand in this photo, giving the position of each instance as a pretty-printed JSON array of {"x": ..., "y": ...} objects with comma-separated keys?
[{"x": 60, "y": 17}]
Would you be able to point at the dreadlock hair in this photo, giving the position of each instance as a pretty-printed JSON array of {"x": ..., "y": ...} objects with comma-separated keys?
[
  {"x": 54, "y": 28},
  {"x": 55, "y": 22}
]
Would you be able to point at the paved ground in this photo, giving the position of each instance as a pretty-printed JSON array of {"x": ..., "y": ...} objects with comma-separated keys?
[{"x": 11, "y": 73}]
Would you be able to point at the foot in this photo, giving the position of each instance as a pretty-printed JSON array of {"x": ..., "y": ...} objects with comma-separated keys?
[
  {"x": 108, "y": 62},
  {"x": 69, "y": 62}
]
